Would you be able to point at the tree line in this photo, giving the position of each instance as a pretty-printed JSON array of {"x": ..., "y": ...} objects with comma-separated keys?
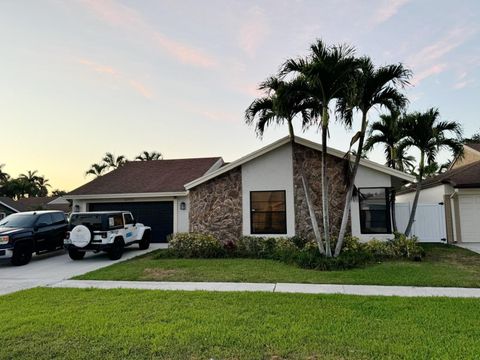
[
  {"x": 31, "y": 184},
  {"x": 333, "y": 83}
]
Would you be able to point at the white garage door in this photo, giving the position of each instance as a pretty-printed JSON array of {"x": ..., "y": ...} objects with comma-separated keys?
[{"x": 469, "y": 217}]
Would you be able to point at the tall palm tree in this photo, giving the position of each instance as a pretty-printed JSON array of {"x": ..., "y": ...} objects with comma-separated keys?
[
  {"x": 114, "y": 162},
  {"x": 329, "y": 71},
  {"x": 96, "y": 170},
  {"x": 28, "y": 184},
  {"x": 285, "y": 100},
  {"x": 425, "y": 132},
  {"x": 372, "y": 87},
  {"x": 149, "y": 156}
]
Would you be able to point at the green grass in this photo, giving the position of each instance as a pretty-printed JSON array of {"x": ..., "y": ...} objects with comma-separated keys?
[
  {"x": 137, "y": 324},
  {"x": 443, "y": 266}
]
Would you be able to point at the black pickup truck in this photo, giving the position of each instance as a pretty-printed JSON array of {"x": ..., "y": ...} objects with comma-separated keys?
[{"x": 23, "y": 234}]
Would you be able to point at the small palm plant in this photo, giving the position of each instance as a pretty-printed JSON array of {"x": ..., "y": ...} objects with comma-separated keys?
[{"x": 429, "y": 135}]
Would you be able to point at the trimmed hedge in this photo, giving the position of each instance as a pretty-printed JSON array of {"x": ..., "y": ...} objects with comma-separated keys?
[{"x": 296, "y": 250}]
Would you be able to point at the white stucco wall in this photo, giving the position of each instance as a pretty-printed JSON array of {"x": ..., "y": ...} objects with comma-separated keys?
[
  {"x": 367, "y": 178},
  {"x": 272, "y": 171},
  {"x": 433, "y": 195},
  {"x": 182, "y": 215}
]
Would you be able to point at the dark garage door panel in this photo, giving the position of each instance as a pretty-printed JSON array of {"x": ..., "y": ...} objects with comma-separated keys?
[{"x": 157, "y": 215}]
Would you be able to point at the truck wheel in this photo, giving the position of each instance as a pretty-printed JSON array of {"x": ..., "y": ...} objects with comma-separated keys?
[
  {"x": 144, "y": 244},
  {"x": 22, "y": 254},
  {"x": 116, "y": 251},
  {"x": 75, "y": 254}
]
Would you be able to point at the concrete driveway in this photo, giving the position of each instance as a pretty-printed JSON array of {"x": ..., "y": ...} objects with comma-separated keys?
[
  {"x": 51, "y": 268},
  {"x": 475, "y": 247}
]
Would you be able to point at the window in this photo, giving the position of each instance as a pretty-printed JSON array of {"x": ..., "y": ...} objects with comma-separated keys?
[
  {"x": 92, "y": 221},
  {"x": 374, "y": 210},
  {"x": 128, "y": 218},
  {"x": 44, "y": 220},
  {"x": 268, "y": 212},
  {"x": 58, "y": 218},
  {"x": 115, "y": 221}
]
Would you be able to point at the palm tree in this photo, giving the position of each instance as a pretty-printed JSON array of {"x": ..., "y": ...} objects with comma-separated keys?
[
  {"x": 58, "y": 192},
  {"x": 149, "y": 156},
  {"x": 329, "y": 71},
  {"x": 42, "y": 186},
  {"x": 429, "y": 135},
  {"x": 96, "y": 170},
  {"x": 372, "y": 87},
  {"x": 3, "y": 175},
  {"x": 114, "y": 162},
  {"x": 285, "y": 100},
  {"x": 29, "y": 183}
]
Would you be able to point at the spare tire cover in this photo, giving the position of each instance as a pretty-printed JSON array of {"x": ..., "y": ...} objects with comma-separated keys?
[{"x": 80, "y": 236}]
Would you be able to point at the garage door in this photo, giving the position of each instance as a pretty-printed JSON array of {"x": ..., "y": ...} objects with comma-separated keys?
[
  {"x": 469, "y": 217},
  {"x": 157, "y": 215}
]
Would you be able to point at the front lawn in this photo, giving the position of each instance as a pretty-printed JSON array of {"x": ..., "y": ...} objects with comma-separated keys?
[
  {"x": 443, "y": 266},
  {"x": 138, "y": 324}
]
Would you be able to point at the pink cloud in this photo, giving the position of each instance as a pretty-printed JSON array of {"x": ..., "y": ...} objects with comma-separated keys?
[
  {"x": 128, "y": 19},
  {"x": 430, "y": 60},
  {"x": 117, "y": 75},
  {"x": 254, "y": 31},
  {"x": 388, "y": 9}
]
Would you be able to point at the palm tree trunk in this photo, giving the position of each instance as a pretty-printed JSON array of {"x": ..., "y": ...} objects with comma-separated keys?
[
  {"x": 311, "y": 211},
  {"x": 325, "y": 213},
  {"x": 351, "y": 187},
  {"x": 417, "y": 195},
  {"x": 393, "y": 193}
]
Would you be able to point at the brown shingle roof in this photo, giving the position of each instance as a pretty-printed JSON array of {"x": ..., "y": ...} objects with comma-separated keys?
[
  {"x": 9, "y": 202},
  {"x": 148, "y": 177},
  {"x": 474, "y": 146},
  {"x": 467, "y": 176},
  {"x": 40, "y": 203}
]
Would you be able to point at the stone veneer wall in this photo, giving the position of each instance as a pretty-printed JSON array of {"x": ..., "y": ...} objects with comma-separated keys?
[
  {"x": 311, "y": 160},
  {"x": 216, "y": 206}
]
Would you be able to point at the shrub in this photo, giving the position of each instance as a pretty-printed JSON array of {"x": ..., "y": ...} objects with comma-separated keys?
[
  {"x": 409, "y": 248},
  {"x": 195, "y": 245},
  {"x": 256, "y": 247}
]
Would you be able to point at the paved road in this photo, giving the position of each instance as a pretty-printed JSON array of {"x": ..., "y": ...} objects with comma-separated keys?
[
  {"x": 57, "y": 266},
  {"x": 367, "y": 290}
]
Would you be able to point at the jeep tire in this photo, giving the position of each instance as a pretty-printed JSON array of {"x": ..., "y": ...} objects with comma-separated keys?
[
  {"x": 144, "y": 244},
  {"x": 75, "y": 254},
  {"x": 22, "y": 254},
  {"x": 116, "y": 251}
]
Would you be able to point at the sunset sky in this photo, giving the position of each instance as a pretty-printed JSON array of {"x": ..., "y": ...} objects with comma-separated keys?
[{"x": 80, "y": 78}]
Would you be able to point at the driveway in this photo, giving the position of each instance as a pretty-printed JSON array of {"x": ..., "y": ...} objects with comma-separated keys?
[
  {"x": 475, "y": 247},
  {"x": 54, "y": 267}
]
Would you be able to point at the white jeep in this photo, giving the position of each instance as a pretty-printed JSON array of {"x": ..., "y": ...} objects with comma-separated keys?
[{"x": 108, "y": 231}]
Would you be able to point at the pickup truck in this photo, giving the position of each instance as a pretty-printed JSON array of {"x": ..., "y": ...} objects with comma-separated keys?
[{"x": 25, "y": 233}]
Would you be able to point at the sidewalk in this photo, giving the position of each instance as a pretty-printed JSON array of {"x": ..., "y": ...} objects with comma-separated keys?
[{"x": 370, "y": 290}]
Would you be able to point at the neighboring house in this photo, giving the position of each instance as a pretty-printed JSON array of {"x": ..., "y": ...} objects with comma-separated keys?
[
  {"x": 9, "y": 206},
  {"x": 458, "y": 190},
  {"x": 258, "y": 194}
]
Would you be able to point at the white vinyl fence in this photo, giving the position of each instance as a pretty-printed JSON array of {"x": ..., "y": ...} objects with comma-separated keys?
[{"x": 429, "y": 224}]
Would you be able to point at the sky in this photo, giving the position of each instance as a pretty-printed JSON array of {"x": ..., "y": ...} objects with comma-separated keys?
[{"x": 80, "y": 78}]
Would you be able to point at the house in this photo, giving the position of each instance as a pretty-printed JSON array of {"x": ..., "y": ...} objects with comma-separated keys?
[
  {"x": 458, "y": 190},
  {"x": 258, "y": 194},
  {"x": 9, "y": 206}
]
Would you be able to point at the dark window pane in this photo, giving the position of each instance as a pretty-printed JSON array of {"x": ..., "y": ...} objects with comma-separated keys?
[
  {"x": 374, "y": 211},
  {"x": 268, "y": 212}
]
